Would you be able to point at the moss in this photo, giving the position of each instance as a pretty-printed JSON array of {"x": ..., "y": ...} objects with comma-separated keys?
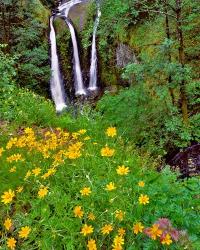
[
  {"x": 108, "y": 77},
  {"x": 41, "y": 12},
  {"x": 80, "y": 14},
  {"x": 145, "y": 37}
]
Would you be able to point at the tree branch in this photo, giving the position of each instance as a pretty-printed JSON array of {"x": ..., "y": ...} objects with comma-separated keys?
[{"x": 160, "y": 12}]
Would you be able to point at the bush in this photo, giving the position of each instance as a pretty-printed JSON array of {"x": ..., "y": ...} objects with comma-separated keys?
[
  {"x": 24, "y": 107},
  {"x": 148, "y": 119},
  {"x": 8, "y": 73}
]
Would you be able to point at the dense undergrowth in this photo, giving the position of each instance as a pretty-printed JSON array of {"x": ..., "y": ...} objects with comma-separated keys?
[
  {"x": 44, "y": 168},
  {"x": 150, "y": 121}
]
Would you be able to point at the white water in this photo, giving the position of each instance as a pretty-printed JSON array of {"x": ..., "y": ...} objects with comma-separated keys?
[
  {"x": 56, "y": 83},
  {"x": 78, "y": 79},
  {"x": 67, "y": 6},
  {"x": 93, "y": 66},
  {"x": 57, "y": 88},
  {"x": 79, "y": 87}
]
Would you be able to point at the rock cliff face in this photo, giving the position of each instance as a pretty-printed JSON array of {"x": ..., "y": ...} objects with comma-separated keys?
[
  {"x": 82, "y": 17},
  {"x": 125, "y": 55},
  {"x": 78, "y": 13}
]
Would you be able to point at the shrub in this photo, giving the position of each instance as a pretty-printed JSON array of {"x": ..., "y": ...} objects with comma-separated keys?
[{"x": 148, "y": 119}]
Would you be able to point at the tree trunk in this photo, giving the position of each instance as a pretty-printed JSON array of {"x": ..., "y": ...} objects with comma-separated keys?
[
  {"x": 184, "y": 101},
  {"x": 167, "y": 30},
  {"x": 4, "y": 38}
]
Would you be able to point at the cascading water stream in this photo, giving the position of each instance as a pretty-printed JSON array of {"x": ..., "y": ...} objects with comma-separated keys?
[
  {"x": 56, "y": 82},
  {"x": 67, "y": 6},
  {"x": 57, "y": 88},
  {"x": 78, "y": 79},
  {"x": 79, "y": 87},
  {"x": 93, "y": 66}
]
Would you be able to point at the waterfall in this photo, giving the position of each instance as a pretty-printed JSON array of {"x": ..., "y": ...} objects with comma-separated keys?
[
  {"x": 57, "y": 89},
  {"x": 56, "y": 82},
  {"x": 78, "y": 79},
  {"x": 79, "y": 88},
  {"x": 93, "y": 66},
  {"x": 67, "y": 6}
]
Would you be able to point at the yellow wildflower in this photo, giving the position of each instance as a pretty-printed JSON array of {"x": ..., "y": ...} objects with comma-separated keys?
[
  {"x": 118, "y": 247},
  {"x": 8, "y": 224},
  {"x": 87, "y": 229},
  {"x": 8, "y": 196},
  {"x": 19, "y": 189},
  {"x": 15, "y": 157},
  {"x": 73, "y": 154},
  {"x": 141, "y": 184},
  {"x": 91, "y": 245},
  {"x": 78, "y": 212},
  {"x": 121, "y": 231},
  {"x": 122, "y": 170},
  {"x": 119, "y": 214},
  {"x": 75, "y": 135},
  {"x": 36, "y": 171},
  {"x": 118, "y": 241},
  {"x": 106, "y": 229},
  {"x": 11, "y": 243},
  {"x": 24, "y": 232},
  {"x": 91, "y": 216},
  {"x": 85, "y": 191},
  {"x": 138, "y": 228},
  {"x": 29, "y": 131},
  {"x": 1, "y": 151},
  {"x": 143, "y": 199},
  {"x": 111, "y": 131},
  {"x": 28, "y": 174},
  {"x": 12, "y": 170},
  {"x": 11, "y": 143},
  {"x": 47, "y": 133},
  {"x": 111, "y": 186},
  {"x": 42, "y": 192},
  {"x": 82, "y": 131},
  {"x": 87, "y": 138},
  {"x": 21, "y": 142},
  {"x": 107, "y": 152},
  {"x": 166, "y": 240},
  {"x": 51, "y": 171},
  {"x": 65, "y": 135},
  {"x": 155, "y": 231}
]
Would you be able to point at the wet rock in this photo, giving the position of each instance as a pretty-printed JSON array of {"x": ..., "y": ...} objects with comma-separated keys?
[
  {"x": 187, "y": 162},
  {"x": 113, "y": 89},
  {"x": 125, "y": 55},
  {"x": 79, "y": 12}
]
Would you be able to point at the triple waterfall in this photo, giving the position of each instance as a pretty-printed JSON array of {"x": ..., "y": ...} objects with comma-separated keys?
[{"x": 56, "y": 82}]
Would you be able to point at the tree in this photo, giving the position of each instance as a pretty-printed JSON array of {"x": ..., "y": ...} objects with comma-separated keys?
[
  {"x": 175, "y": 13},
  {"x": 25, "y": 34}
]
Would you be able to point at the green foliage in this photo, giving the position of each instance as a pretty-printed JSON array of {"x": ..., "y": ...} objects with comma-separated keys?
[
  {"x": 147, "y": 116},
  {"x": 87, "y": 32},
  {"x": 7, "y": 76},
  {"x": 24, "y": 32},
  {"x": 52, "y": 220},
  {"x": 25, "y": 107},
  {"x": 115, "y": 17},
  {"x": 33, "y": 70},
  {"x": 7, "y": 69},
  {"x": 148, "y": 119}
]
